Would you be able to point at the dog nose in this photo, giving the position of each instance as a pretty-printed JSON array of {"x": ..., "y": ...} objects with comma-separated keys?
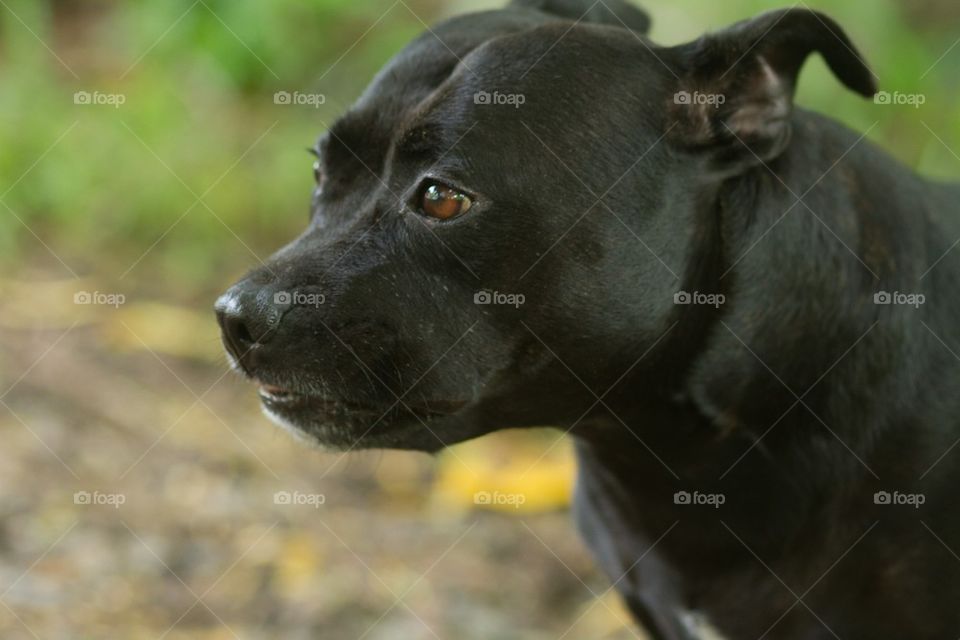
[{"x": 249, "y": 316}]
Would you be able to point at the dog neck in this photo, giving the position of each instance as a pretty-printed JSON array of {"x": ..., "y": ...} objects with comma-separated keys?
[{"x": 791, "y": 373}]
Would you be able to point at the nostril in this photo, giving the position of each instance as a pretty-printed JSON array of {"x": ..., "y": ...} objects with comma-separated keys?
[
  {"x": 240, "y": 331},
  {"x": 246, "y": 321},
  {"x": 238, "y": 335}
]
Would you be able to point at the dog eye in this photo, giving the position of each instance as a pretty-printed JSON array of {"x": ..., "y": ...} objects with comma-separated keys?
[{"x": 443, "y": 202}]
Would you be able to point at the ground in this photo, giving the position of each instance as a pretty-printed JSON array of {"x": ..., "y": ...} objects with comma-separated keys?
[{"x": 144, "y": 496}]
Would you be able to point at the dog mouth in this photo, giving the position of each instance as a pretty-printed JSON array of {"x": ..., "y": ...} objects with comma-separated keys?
[
  {"x": 277, "y": 394},
  {"x": 341, "y": 425},
  {"x": 278, "y": 397}
]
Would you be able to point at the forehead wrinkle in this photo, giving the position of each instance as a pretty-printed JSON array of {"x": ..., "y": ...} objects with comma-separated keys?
[
  {"x": 451, "y": 69},
  {"x": 428, "y": 61},
  {"x": 421, "y": 129},
  {"x": 348, "y": 131}
]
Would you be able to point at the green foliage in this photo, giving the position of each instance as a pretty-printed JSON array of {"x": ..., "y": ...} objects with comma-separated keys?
[
  {"x": 115, "y": 188},
  {"x": 198, "y": 119}
]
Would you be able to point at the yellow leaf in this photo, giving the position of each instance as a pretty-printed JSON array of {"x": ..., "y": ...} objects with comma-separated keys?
[
  {"x": 510, "y": 472},
  {"x": 297, "y": 565}
]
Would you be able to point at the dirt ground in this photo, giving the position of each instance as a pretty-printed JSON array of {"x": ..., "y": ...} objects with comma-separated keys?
[{"x": 143, "y": 495}]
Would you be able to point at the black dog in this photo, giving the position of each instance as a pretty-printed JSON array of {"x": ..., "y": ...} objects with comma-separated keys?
[{"x": 745, "y": 314}]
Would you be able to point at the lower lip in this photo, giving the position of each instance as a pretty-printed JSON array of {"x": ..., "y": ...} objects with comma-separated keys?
[
  {"x": 280, "y": 399},
  {"x": 277, "y": 394}
]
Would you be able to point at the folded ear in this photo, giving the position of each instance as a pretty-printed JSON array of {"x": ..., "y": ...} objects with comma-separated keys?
[
  {"x": 736, "y": 89},
  {"x": 619, "y": 13}
]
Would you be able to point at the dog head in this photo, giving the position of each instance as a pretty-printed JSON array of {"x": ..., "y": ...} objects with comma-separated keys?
[{"x": 502, "y": 220}]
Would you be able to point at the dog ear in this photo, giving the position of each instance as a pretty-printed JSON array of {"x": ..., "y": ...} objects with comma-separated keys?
[
  {"x": 618, "y": 13},
  {"x": 736, "y": 89}
]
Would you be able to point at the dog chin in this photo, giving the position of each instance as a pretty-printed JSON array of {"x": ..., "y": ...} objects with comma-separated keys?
[
  {"x": 343, "y": 433},
  {"x": 325, "y": 434},
  {"x": 299, "y": 434},
  {"x": 361, "y": 431}
]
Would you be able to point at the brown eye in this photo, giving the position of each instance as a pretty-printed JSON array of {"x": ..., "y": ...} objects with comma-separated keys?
[
  {"x": 443, "y": 202},
  {"x": 317, "y": 172}
]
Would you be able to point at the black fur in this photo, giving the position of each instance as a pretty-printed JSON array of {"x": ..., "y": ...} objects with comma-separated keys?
[{"x": 598, "y": 198}]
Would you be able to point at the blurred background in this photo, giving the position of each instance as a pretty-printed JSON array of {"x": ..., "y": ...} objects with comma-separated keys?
[{"x": 144, "y": 165}]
